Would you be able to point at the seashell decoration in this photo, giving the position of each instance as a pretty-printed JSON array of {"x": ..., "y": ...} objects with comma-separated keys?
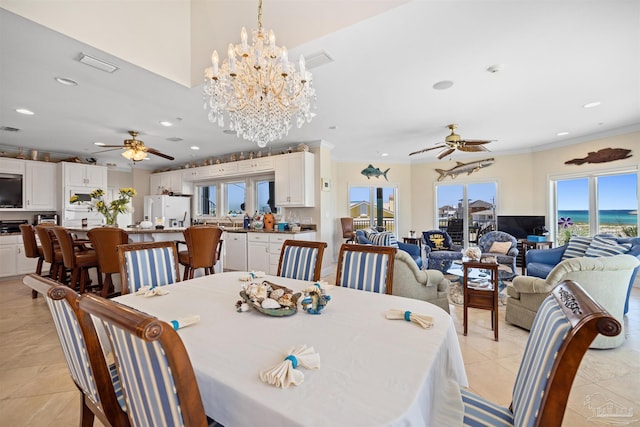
[
  {"x": 268, "y": 298},
  {"x": 276, "y": 294},
  {"x": 286, "y": 300},
  {"x": 270, "y": 303}
]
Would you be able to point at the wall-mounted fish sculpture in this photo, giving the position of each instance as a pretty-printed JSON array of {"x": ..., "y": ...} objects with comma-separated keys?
[
  {"x": 467, "y": 168},
  {"x": 602, "y": 156},
  {"x": 370, "y": 171}
]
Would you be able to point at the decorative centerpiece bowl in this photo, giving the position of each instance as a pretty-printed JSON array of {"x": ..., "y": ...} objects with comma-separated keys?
[{"x": 270, "y": 299}]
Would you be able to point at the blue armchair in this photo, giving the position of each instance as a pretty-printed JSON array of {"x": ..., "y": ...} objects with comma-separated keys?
[
  {"x": 439, "y": 250},
  {"x": 540, "y": 262},
  {"x": 412, "y": 250},
  {"x": 506, "y": 255}
]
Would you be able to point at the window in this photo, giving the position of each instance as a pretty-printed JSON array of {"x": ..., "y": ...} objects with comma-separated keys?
[
  {"x": 265, "y": 196},
  {"x": 371, "y": 206},
  {"x": 474, "y": 204},
  {"x": 235, "y": 196},
  {"x": 599, "y": 203},
  {"x": 207, "y": 200}
]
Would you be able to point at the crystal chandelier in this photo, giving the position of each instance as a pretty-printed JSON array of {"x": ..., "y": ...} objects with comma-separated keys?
[{"x": 259, "y": 88}]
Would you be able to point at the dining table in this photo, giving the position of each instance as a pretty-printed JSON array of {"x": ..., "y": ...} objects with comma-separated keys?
[{"x": 373, "y": 371}]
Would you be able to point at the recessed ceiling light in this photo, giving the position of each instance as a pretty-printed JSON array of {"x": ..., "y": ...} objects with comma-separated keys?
[
  {"x": 562, "y": 133},
  {"x": 384, "y": 154},
  {"x": 99, "y": 144},
  {"x": 66, "y": 82},
  {"x": 333, "y": 127},
  {"x": 24, "y": 111},
  {"x": 97, "y": 63},
  {"x": 442, "y": 85},
  {"x": 166, "y": 123},
  {"x": 194, "y": 147},
  {"x": 591, "y": 104},
  {"x": 495, "y": 68}
]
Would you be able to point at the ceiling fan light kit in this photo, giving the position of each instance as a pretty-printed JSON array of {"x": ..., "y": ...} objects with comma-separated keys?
[
  {"x": 258, "y": 88},
  {"x": 135, "y": 149}
]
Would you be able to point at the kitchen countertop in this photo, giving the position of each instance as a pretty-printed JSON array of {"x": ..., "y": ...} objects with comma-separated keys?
[{"x": 181, "y": 229}]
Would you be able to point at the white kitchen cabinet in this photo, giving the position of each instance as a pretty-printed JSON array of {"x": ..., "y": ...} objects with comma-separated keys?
[
  {"x": 235, "y": 251},
  {"x": 15, "y": 166},
  {"x": 225, "y": 169},
  {"x": 171, "y": 181},
  {"x": 13, "y": 261},
  {"x": 295, "y": 180},
  {"x": 275, "y": 247},
  {"x": 41, "y": 184},
  {"x": 262, "y": 164},
  {"x": 81, "y": 175},
  {"x": 198, "y": 174},
  {"x": 258, "y": 252}
]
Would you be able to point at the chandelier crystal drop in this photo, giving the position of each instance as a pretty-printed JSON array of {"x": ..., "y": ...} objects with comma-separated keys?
[{"x": 258, "y": 88}]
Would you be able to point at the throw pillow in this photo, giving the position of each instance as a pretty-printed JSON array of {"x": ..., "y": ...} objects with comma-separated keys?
[
  {"x": 578, "y": 245},
  {"x": 437, "y": 240},
  {"x": 500, "y": 247},
  {"x": 602, "y": 246},
  {"x": 384, "y": 239},
  {"x": 369, "y": 233}
]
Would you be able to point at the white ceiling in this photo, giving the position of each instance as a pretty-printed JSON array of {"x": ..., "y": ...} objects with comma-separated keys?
[{"x": 557, "y": 56}]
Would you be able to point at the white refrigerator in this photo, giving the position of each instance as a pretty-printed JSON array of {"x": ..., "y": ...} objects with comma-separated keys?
[{"x": 169, "y": 211}]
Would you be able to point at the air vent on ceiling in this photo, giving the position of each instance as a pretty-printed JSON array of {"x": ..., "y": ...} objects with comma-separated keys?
[
  {"x": 97, "y": 63},
  {"x": 175, "y": 139},
  {"x": 317, "y": 59},
  {"x": 9, "y": 129}
]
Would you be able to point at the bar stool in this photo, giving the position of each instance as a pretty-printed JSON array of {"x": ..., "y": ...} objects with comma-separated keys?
[
  {"x": 104, "y": 241},
  {"x": 51, "y": 251},
  {"x": 202, "y": 249},
  {"x": 32, "y": 250},
  {"x": 79, "y": 262}
]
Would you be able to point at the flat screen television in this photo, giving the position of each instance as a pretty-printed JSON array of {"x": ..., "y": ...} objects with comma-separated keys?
[
  {"x": 521, "y": 226},
  {"x": 10, "y": 190}
]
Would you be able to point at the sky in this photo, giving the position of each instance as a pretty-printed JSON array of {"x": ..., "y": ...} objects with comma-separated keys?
[{"x": 614, "y": 192}]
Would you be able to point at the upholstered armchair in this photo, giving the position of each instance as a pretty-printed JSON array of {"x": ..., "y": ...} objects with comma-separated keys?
[
  {"x": 604, "y": 278},
  {"x": 540, "y": 262},
  {"x": 411, "y": 282},
  {"x": 503, "y": 246},
  {"x": 389, "y": 239},
  {"x": 439, "y": 251}
]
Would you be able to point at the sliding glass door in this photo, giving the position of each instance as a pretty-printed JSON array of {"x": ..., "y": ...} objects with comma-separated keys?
[{"x": 373, "y": 206}]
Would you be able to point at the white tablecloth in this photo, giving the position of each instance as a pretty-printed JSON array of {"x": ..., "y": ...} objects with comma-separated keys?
[{"x": 373, "y": 372}]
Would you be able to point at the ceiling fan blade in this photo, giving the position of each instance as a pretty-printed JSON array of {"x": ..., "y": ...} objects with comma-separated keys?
[
  {"x": 157, "y": 153},
  {"x": 113, "y": 146},
  {"x": 426, "y": 149},
  {"x": 445, "y": 153},
  {"x": 472, "y": 148},
  {"x": 476, "y": 141},
  {"x": 111, "y": 149}
]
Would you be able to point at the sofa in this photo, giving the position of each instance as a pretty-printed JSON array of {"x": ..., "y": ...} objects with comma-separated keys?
[
  {"x": 540, "y": 262},
  {"x": 604, "y": 278},
  {"x": 389, "y": 239},
  {"x": 411, "y": 282}
]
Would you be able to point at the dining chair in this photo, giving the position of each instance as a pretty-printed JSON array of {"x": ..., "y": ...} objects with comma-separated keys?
[
  {"x": 105, "y": 241},
  {"x": 32, "y": 250},
  {"x": 202, "y": 247},
  {"x": 301, "y": 259},
  {"x": 97, "y": 381},
  {"x": 51, "y": 252},
  {"x": 564, "y": 327},
  {"x": 348, "y": 231},
  {"x": 147, "y": 348},
  {"x": 77, "y": 261},
  {"x": 366, "y": 267},
  {"x": 147, "y": 264}
]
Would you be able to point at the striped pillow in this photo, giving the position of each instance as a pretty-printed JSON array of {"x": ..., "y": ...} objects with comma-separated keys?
[
  {"x": 606, "y": 246},
  {"x": 384, "y": 239},
  {"x": 369, "y": 233},
  {"x": 578, "y": 245}
]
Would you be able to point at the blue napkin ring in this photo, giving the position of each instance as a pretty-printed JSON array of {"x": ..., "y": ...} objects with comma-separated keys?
[
  {"x": 407, "y": 316},
  {"x": 293, "y": 359},
  {"x": 175, "y": 324}
]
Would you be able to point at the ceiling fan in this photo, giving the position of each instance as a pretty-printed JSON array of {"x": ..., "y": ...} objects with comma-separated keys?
[
  {"x": 135, "y": 149},
  {"x": 454, "y": 142}
]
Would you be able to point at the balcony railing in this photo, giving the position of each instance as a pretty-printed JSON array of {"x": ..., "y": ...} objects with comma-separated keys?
[{"x": 361, "y": 223}]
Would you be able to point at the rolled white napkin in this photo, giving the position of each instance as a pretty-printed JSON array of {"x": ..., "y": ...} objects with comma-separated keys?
[
  {"x": 423, "y": 320},
  {"x": 285, "y": 373},
  {"x": 150, "y": 291},
  {"x": 252, "y": 275},
  {"x": 182, "y": 322}
]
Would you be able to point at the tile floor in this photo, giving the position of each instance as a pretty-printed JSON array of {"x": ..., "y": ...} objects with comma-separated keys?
[{"x": 36, "y": 390}]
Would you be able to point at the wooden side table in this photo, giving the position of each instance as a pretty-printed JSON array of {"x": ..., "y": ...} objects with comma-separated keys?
[
  {"x": 480, "y": 284},
  {"x": 528, "y": 244},
  {"x": 413, "y": 241}
]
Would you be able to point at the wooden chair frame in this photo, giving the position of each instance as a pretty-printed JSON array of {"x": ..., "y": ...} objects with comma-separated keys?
[
  {"x": 320, "y": 246},
  {"x": 79, "y": 272},
  {"x": 49, "y": 245},
  {"x": 109, "y": 411},
  {"x": 149, "y": 328},
  {"x": 198, "y": 260},
  {"x": 104, "y": 240},
  {"x": 388, "y": 250},
  {"x": 32, "y": 250},
  {"x": 124, "y": 278}
]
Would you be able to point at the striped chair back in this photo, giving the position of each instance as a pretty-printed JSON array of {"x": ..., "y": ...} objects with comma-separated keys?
[
  {"x": 159, "y": 386},
  {"x": 366, "y": 267},
  {"x": 565, "y": 325},
  {"x": 147, "y": 264},
  {"x": 300, "y": 259},
  {"x": 83, "y": 353}
]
